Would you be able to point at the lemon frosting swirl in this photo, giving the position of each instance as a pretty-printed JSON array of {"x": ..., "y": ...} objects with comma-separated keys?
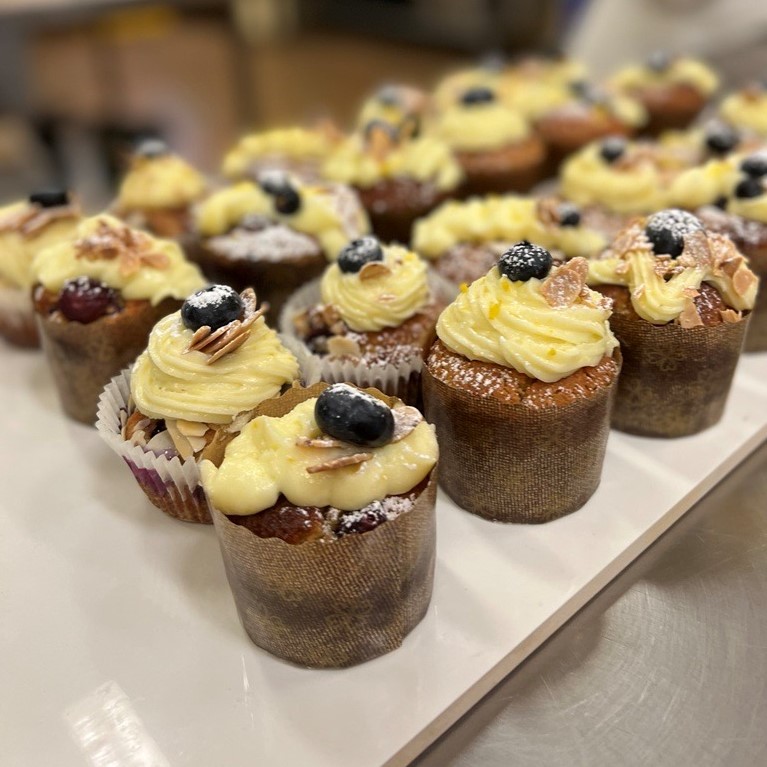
[
  {"x": 18, "y": 250},
  {"x": 481, "y": 126},
  {"x": 746, "y": 109},
  {"x": 290, "y": 143},
  {"x": 752, "y": 208},
  {"x": 680, "y": 70},
  {"x": 167, "y": 381},
  {"x": 426, "y": 159},
  {"x": 661, "y": 297},
  {"x": 704, "y": 184},
  {"x": 507, "y": 218},
  {"x": 264, "y": 461},
  {"x": 153, "y": 183},
  {"x": 370, "y": 304},
  {"x": 512, "y": 324},
  {"x": 164, "y": 273},
  {"x": 330, "y": 213},
  {"x": 637, "y": 187}
]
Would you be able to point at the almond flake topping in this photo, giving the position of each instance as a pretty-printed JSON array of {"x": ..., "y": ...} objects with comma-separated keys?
[
  {"x": 133, "y": 249},
  {"x": 218, "y": 343},
  {"x": 380, "y": 138},
  {"x": 340, "y": 462},
  {"x": 631, "y": 240},
  {"x": 32, "y": 219},
  {"x": 697, "y": 250},
  {"x": 373, "y": 269},
  {"x": 730, "y": 316},
  {"x": 689, "y": 318},
  {"x": 563, "y": 286},
  {"x": 547, "y": 211},
  {"x": 320, "y": 442},
  {"x": 343, "y": 346},
  {"x": 406, "y": 418}
]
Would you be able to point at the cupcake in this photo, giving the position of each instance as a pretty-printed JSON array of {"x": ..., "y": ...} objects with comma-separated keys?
[
  {"x": 519, "y": 385},
  {"x": 274, "y": 235},
  {"x": 369, "y": 320},
  {"x": 26, "y": 228},
  {"x": 158, "y": 191},
  {"x": 204, "y": 372},
  {"x": 590, "y": 113},
  {"x": 324, "y": 511},
  {"x": 494, "y": 144},
  {"x": 747, "y": 109},
  {"x": 487, "y": 73},
  {"x": 298, "y": 151},
  {"x": 463, "y": 240},
  {"x": 97, "y": 296},
  {"x": 744, "y": 220},
  {"x": 673, "y": 89},
  {"x": 398, "y": 177},
  {"x": 682, "y": 296},
  {"x": 614, "y": 179}
]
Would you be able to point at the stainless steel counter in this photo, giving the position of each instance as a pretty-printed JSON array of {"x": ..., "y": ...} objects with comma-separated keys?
[{"x": 667, "y": 666}]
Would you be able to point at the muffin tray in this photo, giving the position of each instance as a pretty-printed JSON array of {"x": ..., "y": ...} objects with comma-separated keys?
[{"x": 120, "y": 644}]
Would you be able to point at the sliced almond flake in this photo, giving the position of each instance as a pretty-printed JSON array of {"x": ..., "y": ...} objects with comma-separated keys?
[
  {"x": 638, "y": 292},
  {"x": 180, "y": 442},
  {"x": 191, "y": 428},
  {"x": 320, "y": 442},
  {"x": 386, "y": 298},
  {"x": 696, "y": 247},
  {"x": 743, "y": 279},
  {"x": 547, "y": 211},
  {"x": 17, "y": 219},
  {"x": 330, "y": 315},
  {"x": 235, "y": 343},
  {"x": 406, "y": 418},
  {"x": 343, "y": 346},
  {"x": 338, "y": 463},
  {"x": 240, "y": 420},
  {"x": 373, "y": 269},
  {"x": 197, "y": 443},
  {"x": 563, "y": 286},
  {"x": 622, "y": 268},
  {"x": 135, "y": 421},
  {"x": 691, "y": 292},
  {"x": 730, "y": 316},
  {"x": 689, "y": 318},
  {"x": 380, "y": 140},
  {"x": 45, "y": 216}
]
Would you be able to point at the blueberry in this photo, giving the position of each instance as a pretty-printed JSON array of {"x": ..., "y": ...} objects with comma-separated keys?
[
  {"x": 215, "y": 306},
  {"x": 612, "y": 148},
  {"x": 358, "y": 253},
  {"x": 277, "y": 184},
  {"x": 588, "y": 92},
  {"x": 667, "y": 229},
  {"x": 658, "y": 61},
  {"x": 748, "y": 188},
  {"x": 721, "y": 138},
  {"x": 50, "y": 198},
  {"x": 389, "y": 96},
  {"x": 479, "y": 94},
  {"x": 720, "y": 202},
  {"x": 524, "y": 261},
  {"x": 755, "y": 165},
  {"x": 354, "y": 416},
  {"x": 362, "y": 521},
  {"x": 493, "y": 61},
  {"x": 85, "y": 300},
  {"x": 152, "y": 148},
  {"x": 568, "y": 214}
]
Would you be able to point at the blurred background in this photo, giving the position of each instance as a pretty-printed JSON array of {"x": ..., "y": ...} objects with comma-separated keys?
[{"x": 82, "y": 80}]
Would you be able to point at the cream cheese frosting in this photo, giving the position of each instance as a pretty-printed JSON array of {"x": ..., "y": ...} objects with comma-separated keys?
[
  {"x": 329, "y": 213},
  {"x": 376, "y": 298},
  {"x": 426, "y": 159},
  {"x": 662, "y": 289},
  {"x": 140, "y": 266},
  {"x": 747, "y": 109},
  {"x": 265, "y": 461},
  {"x": 480, "y": 127},
  {"x": 703, "y": 184},
  {"x": 680, "y": 69},
  {"x": 752, "y": 208},
  {"x": 166, "y": 181},
  {"x": 168, "y": 381},
  {"x": 507, "y": 218},
  {"x": 18, "y": 247},
  {"x": 514, "y": 325}
]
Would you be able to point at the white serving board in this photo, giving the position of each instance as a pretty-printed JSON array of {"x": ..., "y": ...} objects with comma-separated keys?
[{"x": 120, "y": 645}]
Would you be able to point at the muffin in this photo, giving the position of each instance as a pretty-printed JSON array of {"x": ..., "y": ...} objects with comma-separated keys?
[
  {"x": 298, "y": 151},
  {"x": 158, "y": 191},
  {"x": 274, "y": 235},
  {"x": 744, "y": 221},
  {"x": 519, "y": 385},
  {"x": 97, "y": 296},
  {"x": 369, "y": 320},
  {"x": 399, "y": 177},
  {"x": 673, "y": 89},
  {"x": 747, "y": 108},
  {"x": 205, "y": 370},
  {"x": 463, "y": 240},
  {"x": 494, "y": 144},
  {"x": 590, "y": 113},
  {"x": 714, "y": 140},
  {"x": 329, "y": 544},
  {"x": 682, "y": 296},
  {"x": 26, "y": 228}
]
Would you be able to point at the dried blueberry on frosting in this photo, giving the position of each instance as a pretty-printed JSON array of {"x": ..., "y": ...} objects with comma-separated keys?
[
  {"x": 667, "y": 230},
  {"x": 287, "y": 199},
  {"x": 214, "y": 306},
  {"x": 659, "y": 61},
  {"x": 477, "y": 95},
  {"x": 152, "y": 148},
  {"x": 755, "y": 165},
  {"x": 50, "y": 198},
  {"x": 748, "y": 188},
  {"x": 612, "y": 148},
  {"x": 721, "y": 138},
  {"x": 568, "y": 214},
  {"x": 524, "y": 261},
  {"x": 358, "y": 253},
  {"x": 353, "y": 416}
]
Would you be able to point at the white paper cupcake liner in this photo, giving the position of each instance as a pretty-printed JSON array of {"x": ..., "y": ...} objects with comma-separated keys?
[
  {"x": 170, "y": 483},
  {"x": 401, "y": 379},
  {"x": 17, "y": 317}
]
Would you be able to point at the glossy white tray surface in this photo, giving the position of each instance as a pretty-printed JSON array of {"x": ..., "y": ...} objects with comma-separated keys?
[{"x": 120, "y": 644}]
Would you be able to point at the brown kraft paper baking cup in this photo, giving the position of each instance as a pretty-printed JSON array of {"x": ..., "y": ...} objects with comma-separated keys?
[
  {"x": 514, "y": 463},
  {"x": 674, "y": 381},
  {"x": 338, "y": 603},
  {"x": 84, "y": 358}
]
